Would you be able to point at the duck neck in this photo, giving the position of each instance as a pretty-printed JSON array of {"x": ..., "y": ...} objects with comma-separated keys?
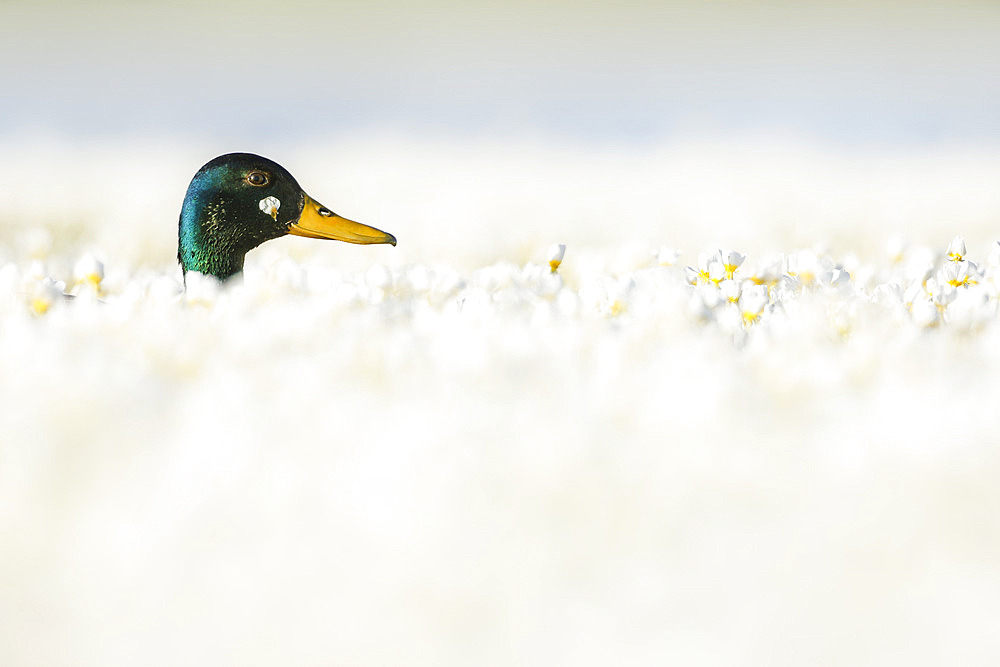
[{"x": 202, "y": 244}]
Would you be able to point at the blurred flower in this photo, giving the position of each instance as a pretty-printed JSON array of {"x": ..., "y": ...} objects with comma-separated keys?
[
  {"x": 971, "y": 309},
  {"x": 201, "y": 289},
  {"x": 769, "y": 272},
  {"x": 88, "y": 272},
  {"x": 43, "y": 294},
  {"x": 914, "y": 292},
  {"x": 925, "y": 313},
  {"x": 702, "y": 303},
  {"x": 836, "y": 276},
  {"x": 803, "y": 265},
  {"x": 941, "y": 293},
  {"x": 667, "y": 256},
  {"x": 730, "y": 290},
  {"x": 895, "y": 249},
  {"x": 887, "y": 294},
  {"x": 752, "y": 302},
  {"x": 993, "y": 259},
  {"x": 786, "y": 288}
]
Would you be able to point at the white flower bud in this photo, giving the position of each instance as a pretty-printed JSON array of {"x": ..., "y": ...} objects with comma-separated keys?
[
  {"x": 270, "y": 206},
  {"x": 731, "y": 259},
  {"x": 555, "y": 255},
  {"x": 956, "y": 249}
]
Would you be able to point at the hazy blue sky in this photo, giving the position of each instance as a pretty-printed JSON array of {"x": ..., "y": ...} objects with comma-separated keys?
[{"x": 848, "y": 72}]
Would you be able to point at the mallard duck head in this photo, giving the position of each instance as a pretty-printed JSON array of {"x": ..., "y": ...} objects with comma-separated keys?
[{"x": 239, "y": 200}]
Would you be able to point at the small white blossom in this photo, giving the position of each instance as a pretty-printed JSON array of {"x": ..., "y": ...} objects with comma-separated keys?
[
  {"x": 709, "y": 271},
  {"x": 956, "y": 249},
  {"x": 941, "y": 293},
  {"x": 730, "y": 290},
  {"x": 959, "y": 274},
  {"x": 555, "y": 255},
  {"x": 270, "y": 206},
  {"x": 768, "y": 272},
  {"x": 88, "y": 272},
  {"x": 731, "y": 260},
  {"x": 45, "y": 293},
  {"x": 836, "y": 276}
]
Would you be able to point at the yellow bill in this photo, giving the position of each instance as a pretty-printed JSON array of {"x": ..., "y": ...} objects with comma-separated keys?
[{"x": 319, "y": 222}]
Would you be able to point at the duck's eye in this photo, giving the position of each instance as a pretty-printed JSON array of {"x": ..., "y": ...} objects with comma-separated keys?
[{"x": 257, "y": 178}]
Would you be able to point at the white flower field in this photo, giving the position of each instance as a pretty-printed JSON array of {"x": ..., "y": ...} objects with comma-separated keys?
[{"x": 747, "y": 415}]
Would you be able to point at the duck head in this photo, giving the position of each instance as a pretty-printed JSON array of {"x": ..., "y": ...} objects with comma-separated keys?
[{"x": 239, "y": 200}]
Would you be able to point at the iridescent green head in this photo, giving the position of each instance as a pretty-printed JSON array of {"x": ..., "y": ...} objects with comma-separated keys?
[{"x": 239, "y": 200}]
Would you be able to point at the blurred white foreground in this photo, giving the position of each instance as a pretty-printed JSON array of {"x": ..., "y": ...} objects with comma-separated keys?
[{"x": 443, "y": 453}]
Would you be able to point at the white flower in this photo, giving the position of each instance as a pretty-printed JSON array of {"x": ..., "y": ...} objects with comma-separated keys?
[
  {"x": 690, "y": 275},
  {"x": 752, "y": 302},
  {"x": 836, "y": 276},
  {"x": 803, "y": 265},
  {"x": 555, "y": 255},
  {"x": 768, "y": 272},
  {"x": 88, "y": 272},
  {"x": 730, "y": 290},
  {"x": 270, "y": 206},
  {"x": 709, "y": 271},
  {"x": 941, "y": 293},
  {"x": 956, "y": 249},
  {"x": 45, "y": 293},
  {"x": 914, "y": 293},
  {"x": 786, "y": 288},
  {"x": 929, "y": 306},
  {"x": 959, "y": 274},
  {"x": 731, "y": 260},
  {"x": 944, "y": 296}
]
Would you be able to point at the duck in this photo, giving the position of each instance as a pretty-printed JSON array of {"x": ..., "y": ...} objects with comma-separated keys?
[{"x": 238, "y": 201}]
